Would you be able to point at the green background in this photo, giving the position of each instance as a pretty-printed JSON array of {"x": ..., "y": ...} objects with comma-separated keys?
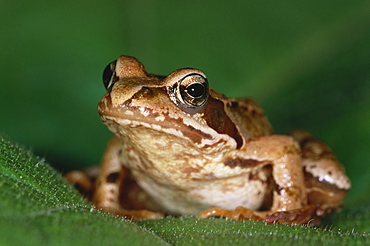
[{"x": 306, "y": 62}]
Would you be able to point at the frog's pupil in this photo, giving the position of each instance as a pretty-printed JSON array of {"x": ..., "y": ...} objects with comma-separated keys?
[{"x": 195, "y": 90}]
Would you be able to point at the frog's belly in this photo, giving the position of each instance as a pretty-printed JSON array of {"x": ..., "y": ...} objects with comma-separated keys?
[{"x": 224, "y": 193}]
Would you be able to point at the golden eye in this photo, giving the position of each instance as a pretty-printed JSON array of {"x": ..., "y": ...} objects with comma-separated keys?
[
  {"x": 109, "y": 75},
  {"x": 192, "y": 91}
]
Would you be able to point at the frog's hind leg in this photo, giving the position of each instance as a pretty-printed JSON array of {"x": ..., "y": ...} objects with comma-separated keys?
[
  {"x": 83, "y": 181},
  {"x": 314, "y": 168},
  {"x": 325, "y": 180}
]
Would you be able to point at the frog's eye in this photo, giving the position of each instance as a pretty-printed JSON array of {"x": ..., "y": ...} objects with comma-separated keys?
[
  {"x": 192, "y": 91},
  {"x": 109, "y": 75}
]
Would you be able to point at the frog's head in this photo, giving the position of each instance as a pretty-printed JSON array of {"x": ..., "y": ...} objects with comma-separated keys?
[{"x": 180, "y": 105}]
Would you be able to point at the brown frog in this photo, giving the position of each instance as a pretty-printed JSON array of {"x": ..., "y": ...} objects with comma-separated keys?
[{"x": 181, "y": 148}]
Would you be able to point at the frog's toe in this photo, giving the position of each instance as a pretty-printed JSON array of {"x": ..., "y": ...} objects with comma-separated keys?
[
  {"x": 306, "y": 215},
  {"x": 239, "y": 213},
  {"x": 213, "y": 212}
]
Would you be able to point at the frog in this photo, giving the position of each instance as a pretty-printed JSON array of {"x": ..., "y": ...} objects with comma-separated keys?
[{"x": 182, "y": 149}]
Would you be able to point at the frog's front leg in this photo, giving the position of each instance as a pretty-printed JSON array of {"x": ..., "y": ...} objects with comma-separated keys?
[
  {"x": 111, "y": 183},
  {"x": 289, "y": 196}
]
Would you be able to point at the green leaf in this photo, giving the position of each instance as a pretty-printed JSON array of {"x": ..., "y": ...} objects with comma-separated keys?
[
  {"x": 38, "y": 207},
  {"x": 193, "y": 231}
]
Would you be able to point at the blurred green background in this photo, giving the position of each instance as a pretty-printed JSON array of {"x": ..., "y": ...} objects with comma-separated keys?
[{"x": 306, "y": 62}]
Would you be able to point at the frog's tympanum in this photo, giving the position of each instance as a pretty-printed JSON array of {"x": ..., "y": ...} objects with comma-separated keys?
[{"x": 181, "y": 148}]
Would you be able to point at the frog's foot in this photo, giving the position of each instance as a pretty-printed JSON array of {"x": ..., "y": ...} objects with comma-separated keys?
[
  {"x": 135, "y": 214},
  {"x": 239, "y": 213},
  {"x": 309, "y": 215}
]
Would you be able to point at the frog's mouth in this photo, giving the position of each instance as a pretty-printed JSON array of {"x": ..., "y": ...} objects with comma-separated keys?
[
  {"x": 174, "y": 127},
  {"x": 177, "y": 129}
]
